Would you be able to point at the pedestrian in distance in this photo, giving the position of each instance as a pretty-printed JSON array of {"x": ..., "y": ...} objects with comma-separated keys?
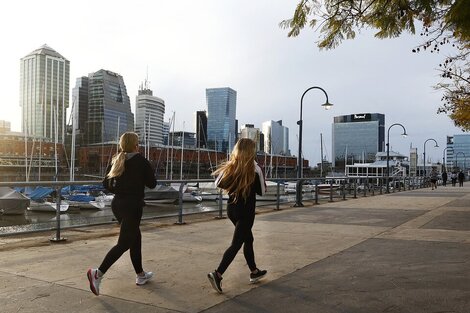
[
  {"x": 242, "y": 179},
  {"x": 461, "y": 177},
  {"x": 433, "y": 177},
  {"x": 444, "y": 178},
  {"x": 453, "y": 178},
  {"x": 126, "y": 177}
]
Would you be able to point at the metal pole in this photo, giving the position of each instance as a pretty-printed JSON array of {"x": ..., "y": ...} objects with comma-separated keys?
[
  {"x": 331, "y": 190},
  {"x": 278, "y": 190},
  {"x": 57, "y": 237},
  {"x": 180, "y": 203},
  {"x": 316, "y": 192}
]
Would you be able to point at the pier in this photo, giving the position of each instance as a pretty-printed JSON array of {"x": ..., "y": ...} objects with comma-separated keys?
[{"x": 407, "y": 251}]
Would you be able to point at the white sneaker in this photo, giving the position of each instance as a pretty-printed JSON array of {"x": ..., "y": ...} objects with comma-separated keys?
[
  {"x": 142, "y": 280},
  {"x": 94, "y": 280}
]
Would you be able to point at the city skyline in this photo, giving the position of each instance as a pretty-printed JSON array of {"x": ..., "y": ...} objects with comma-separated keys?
[{"x": 211, "y": 48}]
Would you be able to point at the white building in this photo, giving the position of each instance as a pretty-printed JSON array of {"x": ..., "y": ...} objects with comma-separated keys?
[
  {"x": 249, "y": 131},
  {"x": 149, "y": 112},
  {"x": 276, "y": 138}
]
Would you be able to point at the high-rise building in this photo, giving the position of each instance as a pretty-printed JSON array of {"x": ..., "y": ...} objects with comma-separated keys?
[
  {"x": 149, "y": 112},
  {"x": 249, "y": 131},
  {"x": 358, "y": 137},
  {"x": 5, "y": 126},
  {"x": 201, "y": 129},
  {"x": 80, "y": 108},
  {"x": 276, "y": 138},
  {"x": 458, "y": 152},
  {"x": 221, "y": 123},
  {"x": 177, "y": 138},
  {"x": 109, "y": 107},
  {"x": 44, "y": 94}
]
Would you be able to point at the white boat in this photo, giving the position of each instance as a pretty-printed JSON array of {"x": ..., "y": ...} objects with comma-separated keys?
[
  {"x": 47, "y": 206},
  {"x": 161, "y": 195},
  {"x": 106, "y": 199},
  {"x": 85, "y": 202}
]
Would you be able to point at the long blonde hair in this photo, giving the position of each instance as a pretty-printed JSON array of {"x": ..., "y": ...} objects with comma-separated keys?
[
  {"x": 239, "y": 171},
  {"x": 127, "y": 144}
]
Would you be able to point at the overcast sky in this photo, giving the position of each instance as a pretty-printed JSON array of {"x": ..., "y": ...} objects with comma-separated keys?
[{"x": 188, "y": 46}]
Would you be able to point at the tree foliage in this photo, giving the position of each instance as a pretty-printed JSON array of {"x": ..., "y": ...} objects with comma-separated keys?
[{"x": 441, "y": 22}]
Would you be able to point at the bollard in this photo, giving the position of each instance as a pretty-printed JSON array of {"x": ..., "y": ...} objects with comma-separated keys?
[
  {"x": 180, "y": 203},
  {"x": 57, "y": 237}
]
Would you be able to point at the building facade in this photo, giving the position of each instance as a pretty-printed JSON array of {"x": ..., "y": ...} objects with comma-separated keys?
[
  {"x": 221, "y": 122},
  {"x": 458, "y": 152},
  {"x": 201, "y": 129},
  {"x": 44, "y": 94},
  {"x": 109, "y": 108},
  {"x": 253, "y": 133},
  {"x": 276, "y": 138},
  {"x": 149, "y": 113},
  {"x": 80, "y": 108},
  {"x": 357, "y": 137},
  {"x": 178, "y": 137}
]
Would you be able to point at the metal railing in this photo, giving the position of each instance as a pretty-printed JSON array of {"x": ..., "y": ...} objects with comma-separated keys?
[{"x": 340, "y": 188}]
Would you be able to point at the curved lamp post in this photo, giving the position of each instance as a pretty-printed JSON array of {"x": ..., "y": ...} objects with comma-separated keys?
[
  {"x": 443, "y": 157},
  {"x": 464, "y": 157},
  {"x": 327, "y": 105},
  {"x": 388, "y": 150},
  {"x": 424, "y": 153}
]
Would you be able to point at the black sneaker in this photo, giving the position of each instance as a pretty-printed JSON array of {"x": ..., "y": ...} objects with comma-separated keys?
[
  {"x": 216, "y": 281},
  {"x": 257, "y": 276}
]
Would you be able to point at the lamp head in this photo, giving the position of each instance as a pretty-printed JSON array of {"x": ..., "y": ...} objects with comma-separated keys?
[
  {"x": 327, "y": 105},
  {"x": 404, "y": 134},
  {"x": 436, "y": 146}
]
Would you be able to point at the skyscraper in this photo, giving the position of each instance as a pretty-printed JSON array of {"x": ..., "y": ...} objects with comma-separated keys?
[
  {"x": 221, "y": 112},
  {"x": 249, "y": 131},
  {"x": 358, "y": 137},
  {"x": 109, "y": 108},
  {"x": 80, "y": 108},
  {"x": 276, "y": 138},
  {"x": 201, "y": 129},
  {"x": 44, "y": 93},
  {"x": 149, "y": 112}
]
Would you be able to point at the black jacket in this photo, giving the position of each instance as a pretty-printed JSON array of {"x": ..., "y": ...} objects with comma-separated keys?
[{"x": 138, "y": 173}]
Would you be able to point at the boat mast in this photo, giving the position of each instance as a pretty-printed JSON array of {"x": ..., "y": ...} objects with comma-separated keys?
[{"x": 182, "y": 151}]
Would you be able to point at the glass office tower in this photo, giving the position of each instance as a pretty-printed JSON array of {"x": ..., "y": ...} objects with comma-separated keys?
[
  {"x": 357, "y": 138},
  {"x": 221, "y": 124},
  {"x": 44, "y": 94},
  {"x": 109, "y": 107},
  {"x": 458, "y": 152}
]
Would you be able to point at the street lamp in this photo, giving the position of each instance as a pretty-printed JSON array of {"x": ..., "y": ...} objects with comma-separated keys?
[
  {"x": 443, "y": 157},
  {"x": 457, "y": 163},
  {"x": 327, "y": 105},
  {"x": 424, "y": 153},
  {"x": 388, "y": 150}
]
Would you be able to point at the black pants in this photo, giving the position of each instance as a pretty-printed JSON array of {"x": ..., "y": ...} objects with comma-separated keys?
[
  {"x": 128, "y": 211},
  {"x": 243, "y": 220}
]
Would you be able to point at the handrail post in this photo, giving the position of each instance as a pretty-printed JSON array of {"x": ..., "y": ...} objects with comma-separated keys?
[
  {"x": 355, "y": 189},
  {"x": 316, "y": 192},
  {"x": 57, "y": 237},
  {"x": 343, "y": 190},
  {"x": 180, "y": 203},
  {"x": 298, "y": 194},
  {"x": 220, "y": 216},
  {"x": 331, "y": 190},
  {"x": 278, "y": 196}
]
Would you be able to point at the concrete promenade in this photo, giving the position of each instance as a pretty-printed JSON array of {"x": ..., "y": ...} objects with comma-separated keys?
[{"x": 402, "y": 252}]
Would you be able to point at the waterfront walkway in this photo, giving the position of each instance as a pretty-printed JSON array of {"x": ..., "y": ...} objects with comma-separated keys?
[{"x": 401, "y": 252}]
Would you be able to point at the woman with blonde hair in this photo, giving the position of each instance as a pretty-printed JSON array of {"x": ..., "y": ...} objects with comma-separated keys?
[
  {"x": 242, "y": 179},
  {"x": 126, "y": 177}
]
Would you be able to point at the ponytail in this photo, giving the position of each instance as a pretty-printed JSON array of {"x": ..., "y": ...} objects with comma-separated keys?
[{"x": 117, "y": 167}]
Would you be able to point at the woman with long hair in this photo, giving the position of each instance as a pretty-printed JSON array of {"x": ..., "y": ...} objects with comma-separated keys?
[
  {"x": 242, "y": 179},
  {"x": 126, "y": 177}
]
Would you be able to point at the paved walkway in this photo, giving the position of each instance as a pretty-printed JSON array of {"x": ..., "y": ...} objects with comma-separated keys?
[{"x": 402, "y": 252}]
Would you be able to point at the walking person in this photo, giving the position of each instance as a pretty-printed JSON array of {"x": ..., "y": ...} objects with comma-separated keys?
[
  {"x": 453, "y": 178},
  {"x": 242, "y": 179},
  {"x": 433, "y": 177},
  {"x": 461, "y": 177},
  {"x": 444, "y": 178},
  {"x": 126, "y": 177}
]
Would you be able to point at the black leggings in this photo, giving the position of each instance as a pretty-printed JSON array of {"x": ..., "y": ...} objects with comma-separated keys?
[
  {"x": 128, "y": 212},
  {"x": 243, "y": 221}
]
